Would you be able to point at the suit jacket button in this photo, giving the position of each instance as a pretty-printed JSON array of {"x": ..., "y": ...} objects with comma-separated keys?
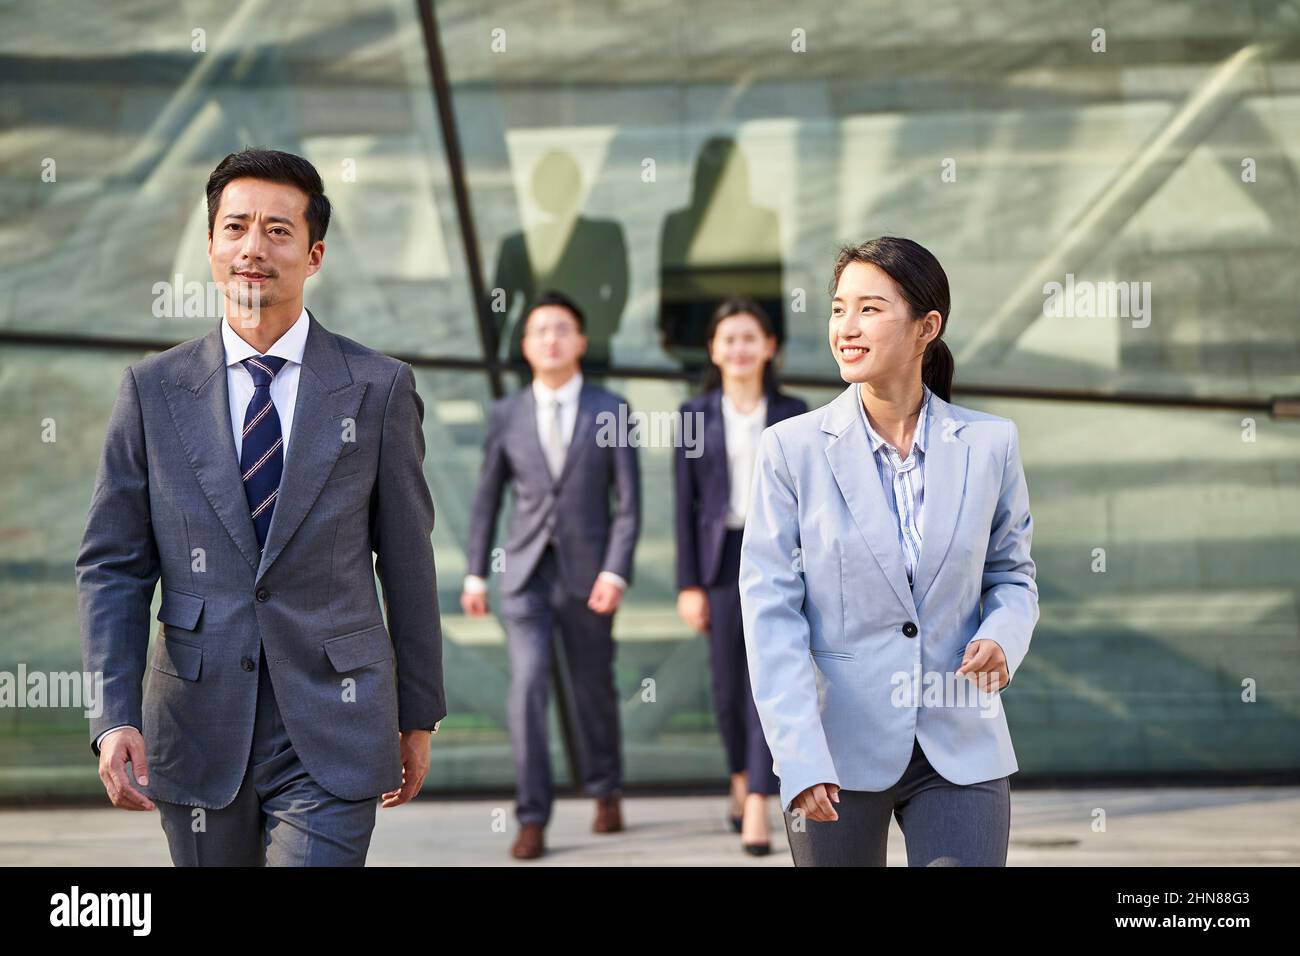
[
  {"x": 263, "y": 594},
  {"x": 909, "y": 629},
  {"x": 247, "y": 663}
]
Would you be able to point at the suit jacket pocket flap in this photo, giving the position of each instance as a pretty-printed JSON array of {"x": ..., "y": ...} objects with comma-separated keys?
[
  {"x": 351, "y": 651},
  {"x": 180, "y": 608},
  {"x": 178, "y": 658}
]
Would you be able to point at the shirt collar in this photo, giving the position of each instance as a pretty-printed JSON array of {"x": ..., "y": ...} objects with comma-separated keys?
[
  {"x": 565, "y": 393},
  {"x": 289, "y": 346},
  {"x": 918, "y": 440}
]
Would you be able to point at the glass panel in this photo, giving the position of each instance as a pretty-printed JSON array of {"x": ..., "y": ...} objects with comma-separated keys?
[
  {"x": 1166, "y": 552},
  {"x": 653, "y": 164},
  {"x": 57, "y": 405},
  {"x": 115, "y": 123},
  {"x": 472, "y": 748}
]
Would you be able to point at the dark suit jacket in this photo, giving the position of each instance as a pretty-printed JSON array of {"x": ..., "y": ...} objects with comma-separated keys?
[
  {"x": 574, "y": 510},
  {"x": 703, "y": 488}
]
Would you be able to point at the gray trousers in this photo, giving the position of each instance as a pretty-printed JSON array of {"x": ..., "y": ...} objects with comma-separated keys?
[
  {"x": 279, "y": 817},
  {"x": 943, "y": 823},
  {"x": 543, "y": 610}
]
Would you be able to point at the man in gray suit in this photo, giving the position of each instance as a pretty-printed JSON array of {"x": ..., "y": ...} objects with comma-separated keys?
[
  {"x": 256, "y": 470},
  {"x": 567, "y": 560}
]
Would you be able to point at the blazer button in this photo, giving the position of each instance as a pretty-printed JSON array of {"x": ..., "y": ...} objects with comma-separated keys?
[
  {"x": 909, "y": 629},
  {"x": 263, "y": 594},
  {"x": 247, "y": 663}
]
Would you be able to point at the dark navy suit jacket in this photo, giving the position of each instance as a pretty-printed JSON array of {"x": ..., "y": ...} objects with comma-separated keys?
[
  {"x": 574, "y": 510},
  {"x": 703, "y": 488}
]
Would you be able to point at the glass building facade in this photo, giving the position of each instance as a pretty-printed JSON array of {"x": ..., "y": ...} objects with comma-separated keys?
[{"x": 651, "y": 158}]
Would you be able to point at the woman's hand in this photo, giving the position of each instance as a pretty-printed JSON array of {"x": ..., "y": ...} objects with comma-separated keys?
[
  {"x": 693, "y": 608},
  {"x": 986, "y": 661},
  {"x": 474, "y": 603},
  {"x": 815, "y": 802}
]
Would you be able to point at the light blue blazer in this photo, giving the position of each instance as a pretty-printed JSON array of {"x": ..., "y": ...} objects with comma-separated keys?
[{"x": 848, "y": 663}]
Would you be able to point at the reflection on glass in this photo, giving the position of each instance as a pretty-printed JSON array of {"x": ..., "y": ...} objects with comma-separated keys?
[
  {"x": 721, "y": 245},
  {"x": 116, "y": 122},
  {"x": 582, "y": 257}
]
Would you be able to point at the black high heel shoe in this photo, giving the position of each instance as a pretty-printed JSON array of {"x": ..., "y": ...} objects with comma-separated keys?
[
  {"x": 757, "y": 849},
  {"x": 735, "y": 824}
]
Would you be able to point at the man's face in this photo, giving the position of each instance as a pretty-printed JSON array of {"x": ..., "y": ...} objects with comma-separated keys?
[
  {"x": 552, "y": 339},
  {"x": 258, "y": 246}
]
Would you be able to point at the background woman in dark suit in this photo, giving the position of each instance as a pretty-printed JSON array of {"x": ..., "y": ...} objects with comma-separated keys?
[{"x": 740, "y": 399}]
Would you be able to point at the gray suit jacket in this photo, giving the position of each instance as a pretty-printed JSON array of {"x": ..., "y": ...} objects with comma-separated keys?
[
  {"x": 169, "y": 503},
  {"x": 573, "y": 509}
]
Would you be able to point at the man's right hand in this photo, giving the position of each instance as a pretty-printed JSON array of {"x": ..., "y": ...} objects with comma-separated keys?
[
  {"x": 474, "y": 604},
  {"x": 115, "y": 751},
  {"x": 815, "y": 802}
]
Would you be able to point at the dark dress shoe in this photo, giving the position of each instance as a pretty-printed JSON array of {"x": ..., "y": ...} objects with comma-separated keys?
[
  {"x": 736, "y": 824},
  {"x": 609, "y": 818},
  {"x": 529, "y": 845},
  {"x": 757, "y": 849}
]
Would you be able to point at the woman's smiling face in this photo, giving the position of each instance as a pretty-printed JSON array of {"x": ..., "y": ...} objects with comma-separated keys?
[
  {"x": 872, "y": 333},
  {"x": 740, "y": 347}
]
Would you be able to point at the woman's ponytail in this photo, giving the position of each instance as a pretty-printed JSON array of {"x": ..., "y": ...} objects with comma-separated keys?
[{"x": 937, "y": 368}]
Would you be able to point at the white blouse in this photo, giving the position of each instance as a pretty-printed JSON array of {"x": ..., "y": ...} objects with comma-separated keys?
[{"x": 742, "y": 434}]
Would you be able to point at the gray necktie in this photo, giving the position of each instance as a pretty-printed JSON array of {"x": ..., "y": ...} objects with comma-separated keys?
[{"x": 553, "y": 439}]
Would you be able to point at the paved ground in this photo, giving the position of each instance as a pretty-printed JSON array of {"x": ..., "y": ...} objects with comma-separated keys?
[{"x": 1238, "y": 826}]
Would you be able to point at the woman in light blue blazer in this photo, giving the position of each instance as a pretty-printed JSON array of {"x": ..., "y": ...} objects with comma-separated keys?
[{"x": 887, "y": 591}]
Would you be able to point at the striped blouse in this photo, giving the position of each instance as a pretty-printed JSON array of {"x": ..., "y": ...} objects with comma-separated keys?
[{"x": 903, "y": 481}]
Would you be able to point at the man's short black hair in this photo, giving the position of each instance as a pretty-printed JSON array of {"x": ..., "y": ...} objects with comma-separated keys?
[
  {"x": 554, "y": 297},
  {"x": 276, "y": 167}
]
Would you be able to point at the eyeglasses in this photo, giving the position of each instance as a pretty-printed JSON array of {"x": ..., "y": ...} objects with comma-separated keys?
[{"x": 559, "y": 331}]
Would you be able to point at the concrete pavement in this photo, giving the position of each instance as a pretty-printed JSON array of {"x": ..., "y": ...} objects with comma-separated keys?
[{"x": 1216, "y": 826}]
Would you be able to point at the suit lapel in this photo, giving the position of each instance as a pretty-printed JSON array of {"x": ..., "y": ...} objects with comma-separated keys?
[
  {"x": 715, "y": 440},
  {"x": 947, "y": 460},
  {"x": 851, "y": 461},
  {"x": 327, "y": 396},
  {"x": 774, "y": 405},
  {"x": 715, "y": 437},
  {"x": 584, "y": 431},
  {"x": 199, "y": 402},
  {"x": 527, "y": 420}
]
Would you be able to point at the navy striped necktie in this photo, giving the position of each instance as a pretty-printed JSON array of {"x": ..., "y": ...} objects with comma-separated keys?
[{"x": 261, "y": 456}]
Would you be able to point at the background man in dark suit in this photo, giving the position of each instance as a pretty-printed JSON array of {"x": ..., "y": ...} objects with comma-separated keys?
[{"x": 567, "y": 560}]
